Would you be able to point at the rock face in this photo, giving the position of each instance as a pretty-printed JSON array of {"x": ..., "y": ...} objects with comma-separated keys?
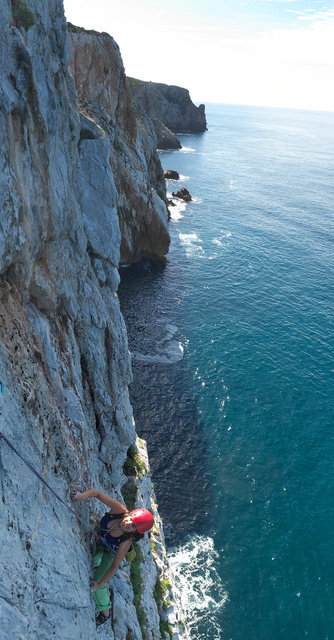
[
  {"x": 165, "y": 138},
  {"x": 105, "y": 98},
  {"x": 172, "y": 105},
  {"x": 64, "y": 358}
]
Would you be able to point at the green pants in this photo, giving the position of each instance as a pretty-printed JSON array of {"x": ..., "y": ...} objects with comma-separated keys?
[{"x": 102, "y": 561}]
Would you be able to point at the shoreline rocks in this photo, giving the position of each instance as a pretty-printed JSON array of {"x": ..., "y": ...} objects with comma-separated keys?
[
  {"x": 183, "y": 194},
  {"x": 170, "y": 174}
]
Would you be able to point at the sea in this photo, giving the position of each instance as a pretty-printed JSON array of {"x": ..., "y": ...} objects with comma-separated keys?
[{"x": 232, "y": 343}]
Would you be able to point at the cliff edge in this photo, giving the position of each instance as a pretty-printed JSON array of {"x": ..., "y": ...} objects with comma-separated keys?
[
  {"x": 170, "y": 104},
  {"x": 64, "y": 360},
  {"x": 105, "y": 98}
]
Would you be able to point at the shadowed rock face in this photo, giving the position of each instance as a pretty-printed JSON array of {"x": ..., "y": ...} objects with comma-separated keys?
[
  {"x": 105, "y": 97},
  {"x": 172, "y": 105},
  {"x": 165, "y": 138}
]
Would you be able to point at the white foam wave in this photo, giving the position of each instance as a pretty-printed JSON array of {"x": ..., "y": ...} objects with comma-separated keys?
[
  {"x": 181, "y": 178},
  {"x": 191, "y": 242},
  {"x": 166, "y": 350},
  {"x": 196, "y": 200},
  {"x": 172, "y": 353},
  {"x": 221, "y": 240},
  {"x": 176, "y": 212},
  {"x": 189, "y": 238},
  {"x": 187, "y": 150},
  {"x": 171, "y": 331},
  {"x": 199, "y": 584}
]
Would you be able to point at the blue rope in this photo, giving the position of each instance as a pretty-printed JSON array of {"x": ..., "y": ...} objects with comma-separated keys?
[{"x": 29, "y": 465}]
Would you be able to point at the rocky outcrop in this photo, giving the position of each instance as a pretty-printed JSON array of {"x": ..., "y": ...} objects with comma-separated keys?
[
  {"x": 172, "y": 105},
  {"x": 171, "y": 174},
  {"x": 165, "y": 138},
  {"x": 64, "y": 359},
  {"x": 105, "y": 98},
  {"x": 183, "y": 194}
]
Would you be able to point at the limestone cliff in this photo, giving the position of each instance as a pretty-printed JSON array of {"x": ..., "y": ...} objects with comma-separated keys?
[
  {"x": 165, "y": 138},
  {"x": 64, "y": 359},
  {"x": 172, "y": 105},
  {"x": 105, "y": 97}
]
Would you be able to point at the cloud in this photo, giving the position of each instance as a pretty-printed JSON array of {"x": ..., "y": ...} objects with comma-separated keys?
[
  {"x": 263, "y": 1},
  {"x": 319, "y": 15},
  {"x": 299, "y": 12},
  {"x": 289, "y": 66}
]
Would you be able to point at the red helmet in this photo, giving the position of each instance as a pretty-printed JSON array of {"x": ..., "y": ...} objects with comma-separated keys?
[{"x": 142, "y": 519}]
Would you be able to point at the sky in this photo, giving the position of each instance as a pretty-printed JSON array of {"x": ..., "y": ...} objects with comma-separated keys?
[{"x": 276, "y": 53}]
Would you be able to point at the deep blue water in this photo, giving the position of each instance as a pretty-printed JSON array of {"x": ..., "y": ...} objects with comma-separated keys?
[{"x": 233, "y": 357}]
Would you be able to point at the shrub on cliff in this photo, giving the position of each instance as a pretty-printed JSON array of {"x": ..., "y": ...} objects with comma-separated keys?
[
  {"x": 72, "y": 28},
  {"x": 129, "y": 493},
  {"x": 134, "y": 464},
  {"x": 22, "y": 15},
  {"x": 159, "y": 595},
  {"x": 137, "y": 585}
]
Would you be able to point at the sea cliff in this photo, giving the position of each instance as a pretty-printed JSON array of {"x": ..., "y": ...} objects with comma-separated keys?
[
  {"x": 169, "y": 104},
  {"x": 104, "y": 97},
  {"x": 81, "y": 191}
]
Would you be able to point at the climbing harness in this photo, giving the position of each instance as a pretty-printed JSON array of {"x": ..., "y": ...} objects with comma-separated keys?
[{"x": 103, "y": 542}]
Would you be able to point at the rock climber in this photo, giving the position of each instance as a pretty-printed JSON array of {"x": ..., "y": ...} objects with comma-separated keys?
[{"x": 118, "y": 528}]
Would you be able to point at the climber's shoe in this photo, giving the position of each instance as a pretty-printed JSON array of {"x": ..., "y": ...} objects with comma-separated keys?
[{"x": 101, "y": 619}]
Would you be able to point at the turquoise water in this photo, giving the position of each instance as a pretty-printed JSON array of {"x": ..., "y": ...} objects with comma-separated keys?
[{"x": 232, "y": 346}]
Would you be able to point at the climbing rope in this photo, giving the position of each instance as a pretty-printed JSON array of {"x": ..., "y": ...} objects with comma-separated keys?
[
  {"x": 26, "y": 462},
  {"x": 29, "y": 465},
  {"x": 98, "y": 537}
]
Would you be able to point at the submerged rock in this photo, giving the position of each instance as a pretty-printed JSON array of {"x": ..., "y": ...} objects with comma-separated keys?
[{"x": 183, "y": 194}]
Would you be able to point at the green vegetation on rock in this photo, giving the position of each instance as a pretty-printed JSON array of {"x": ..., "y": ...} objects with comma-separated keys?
[
  {"x": 72, "y": 28},
  {"x": 137, "y": 585},
  {"x": 165, "y": 628},
  {"x": 159, "y": 595},
  {"x": 22, "y": 15},
  {"x": 160, "y": 589},
  {"x": 134, "y": 464},
  {"x": 129, "y": 493},
  {"x": 133, "y": 82}
]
